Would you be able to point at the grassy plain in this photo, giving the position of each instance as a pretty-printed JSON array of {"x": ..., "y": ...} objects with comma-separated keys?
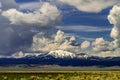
[{"x": 60, "y": 75}]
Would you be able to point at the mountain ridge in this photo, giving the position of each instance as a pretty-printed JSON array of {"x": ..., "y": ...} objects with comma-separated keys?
[{"x": 59, "y": 57}]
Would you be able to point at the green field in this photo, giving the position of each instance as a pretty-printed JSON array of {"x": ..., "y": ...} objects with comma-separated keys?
[{"x": 60, "y": 75}]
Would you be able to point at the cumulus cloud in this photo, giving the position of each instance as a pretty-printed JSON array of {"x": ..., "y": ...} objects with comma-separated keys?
[
  {"x": 115, "y": 53},
  {"x": 93, "y": 6},
  {"x": 47, "y": 15},
  {"x": 60, "y": 37},
  {"x": 114, "y": 18},
  {"x": 107, "y": 48},
  {"x": 59, "y": 42},
  {"x": 18, "y": 55},
  {"x": 85, "y": 44},
  {"x": 101, "y": 45}
]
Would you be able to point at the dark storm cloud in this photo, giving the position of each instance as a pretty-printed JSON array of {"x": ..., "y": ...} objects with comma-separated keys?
[
  {"x": 14, "y": 38},
  {"x": 7, "y": 4},
  {"x": 16, "y": 31}
]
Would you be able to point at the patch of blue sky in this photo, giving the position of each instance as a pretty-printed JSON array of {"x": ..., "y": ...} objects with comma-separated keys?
[
  {"x": 90, "y": 36},
  {"x": 82, "y": 18}
]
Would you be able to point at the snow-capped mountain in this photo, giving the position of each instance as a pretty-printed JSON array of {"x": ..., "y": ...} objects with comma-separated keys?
[
  {"x": 55, "y": 54},
  {"x": 62, "y": 54},
  {"x": 59, "y": 57},
  {"x": 66, "y": 54}
]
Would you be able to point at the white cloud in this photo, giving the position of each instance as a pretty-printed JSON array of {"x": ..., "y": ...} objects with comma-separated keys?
[
  {"x": 84, "y": 28},
  {"x": 101, "y": 45},
  {"x": 90, "y": 5},
  {"x": 85, "y": 44},
  {"x": 59, "y": 42},
  {"x": 115, "y": 53},
  {"x": 106, "y": 48},
  {"x": 60, "y": 37},
  {"x": 114, "y": 18},
  {"x": 72, "y": 39},
  {"x": 106, "y": 54},
  {"x": 21, "y": 54},
  {"x": 18, "y": 55},
  {"x": 47, "y": 15}
]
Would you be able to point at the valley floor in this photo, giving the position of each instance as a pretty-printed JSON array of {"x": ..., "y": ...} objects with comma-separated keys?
[
  {"x": 60, "y": 75},
  {"x": 54, "y": 72},
  {"x": 56, "y": 68}
]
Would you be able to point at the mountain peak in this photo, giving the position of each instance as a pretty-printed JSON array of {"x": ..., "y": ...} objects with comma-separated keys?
[{"x": 62, "y": 54}]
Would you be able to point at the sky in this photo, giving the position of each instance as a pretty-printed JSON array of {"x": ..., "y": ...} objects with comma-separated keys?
[{"x": 90, "y": 26}]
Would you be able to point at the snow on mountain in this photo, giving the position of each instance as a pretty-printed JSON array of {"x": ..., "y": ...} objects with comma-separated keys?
[
  {"x": 61, "y": 54},
  {"x": 67, "y": 54},
  {"x": 55, "y": 53}
]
